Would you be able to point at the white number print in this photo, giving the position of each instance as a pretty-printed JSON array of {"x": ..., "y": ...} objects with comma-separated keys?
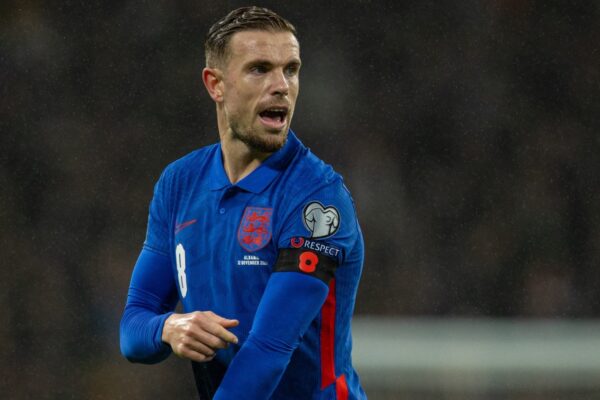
[{"x": 181, "y": 277}]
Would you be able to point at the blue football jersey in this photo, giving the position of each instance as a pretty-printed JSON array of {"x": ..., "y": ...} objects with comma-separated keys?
[{"x": 225, "y": 239}]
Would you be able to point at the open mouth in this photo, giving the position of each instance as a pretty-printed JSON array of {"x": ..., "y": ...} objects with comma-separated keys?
[{"x": 274, "y": 117}]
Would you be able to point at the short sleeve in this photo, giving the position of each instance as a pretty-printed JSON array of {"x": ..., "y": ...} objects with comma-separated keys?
[
  {"x": 157, "y": 233},
  {"x": 322, "y": 221}
]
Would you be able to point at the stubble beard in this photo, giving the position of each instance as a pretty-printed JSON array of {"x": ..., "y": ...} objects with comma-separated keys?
[{"x": 262, "y": 144}]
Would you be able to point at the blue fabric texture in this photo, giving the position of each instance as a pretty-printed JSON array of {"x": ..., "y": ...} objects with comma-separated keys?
[
  {"x": 214, "y": 245},
  {"x": 150, "y": 302},
  {"x": 290, "y": 302}
]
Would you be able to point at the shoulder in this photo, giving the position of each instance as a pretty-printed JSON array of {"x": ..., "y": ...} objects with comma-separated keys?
[
  {"x": 307, "y": 172},
  {"x": 317, "y": 204},
  {"x": 309, "y": 175},
  {"x": 184, "y": 171},
  {"x": 191, "y": 162},
  {"x": 314, "y": 210}
]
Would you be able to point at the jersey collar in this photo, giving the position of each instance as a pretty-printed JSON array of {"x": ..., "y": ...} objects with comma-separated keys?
[{"x": 262, "y": 176}]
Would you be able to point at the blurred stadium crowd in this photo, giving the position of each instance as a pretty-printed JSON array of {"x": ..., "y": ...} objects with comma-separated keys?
[{"x": 468, "y": 133}]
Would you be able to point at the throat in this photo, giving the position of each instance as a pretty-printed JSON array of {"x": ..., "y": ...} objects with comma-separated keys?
[{"x": 239, "y": 160}]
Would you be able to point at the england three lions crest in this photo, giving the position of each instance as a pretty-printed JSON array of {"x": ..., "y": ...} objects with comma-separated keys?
[{"x": 255, "y": 228}]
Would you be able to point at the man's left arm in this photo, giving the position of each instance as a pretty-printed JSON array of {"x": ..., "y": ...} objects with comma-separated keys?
[
  {"x": 312, "y": 245},
  {"x": 290, "y": 302}
]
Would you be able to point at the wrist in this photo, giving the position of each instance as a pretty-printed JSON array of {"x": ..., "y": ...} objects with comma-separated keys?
[{"x": 167, "y": 328}]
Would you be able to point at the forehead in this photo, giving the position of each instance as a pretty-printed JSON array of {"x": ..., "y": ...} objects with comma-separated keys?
[{"x": 268, "y": 45}]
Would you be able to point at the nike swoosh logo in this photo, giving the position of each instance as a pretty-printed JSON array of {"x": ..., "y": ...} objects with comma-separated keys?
[{"x": 183, "y": 225}]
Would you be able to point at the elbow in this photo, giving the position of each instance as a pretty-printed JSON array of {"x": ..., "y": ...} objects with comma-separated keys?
[
  {"x": 126, "y": 343},
  {"x": 127, "y": 351},
  {"x": 136, "y": 346},
  {"x": 135, "y": 352}
]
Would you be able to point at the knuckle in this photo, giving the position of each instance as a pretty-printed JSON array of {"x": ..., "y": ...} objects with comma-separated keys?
[
  {"x": 206, "y": 323},
  {"x": 197, "y": 315}
]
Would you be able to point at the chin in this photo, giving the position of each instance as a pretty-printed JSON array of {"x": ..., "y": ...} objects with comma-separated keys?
[
  {"x": 271, "y": 142},
  {"x": 265, "y": 141}
]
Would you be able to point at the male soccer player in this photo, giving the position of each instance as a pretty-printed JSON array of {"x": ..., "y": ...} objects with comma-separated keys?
[{"x": 255, "y": 235}]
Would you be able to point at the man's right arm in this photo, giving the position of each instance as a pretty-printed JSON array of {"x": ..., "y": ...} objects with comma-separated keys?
[
  {"x": 151, "y": 300},
  {"x": 152, "y": 292},
  {"x": 150, "y": 329}
]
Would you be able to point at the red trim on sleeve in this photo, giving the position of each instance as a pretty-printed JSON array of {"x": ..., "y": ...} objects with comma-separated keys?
[
  {"x": 341, "y": 388},
  {"x": 328, "y": 338}
]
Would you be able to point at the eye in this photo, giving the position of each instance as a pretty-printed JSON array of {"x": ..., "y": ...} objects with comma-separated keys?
[
  {"x": 258, "y": 69},
  {"x": 292, "y": 70}
]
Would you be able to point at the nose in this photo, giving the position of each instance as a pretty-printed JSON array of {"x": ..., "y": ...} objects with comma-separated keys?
[{"x": 280, "y": 85}]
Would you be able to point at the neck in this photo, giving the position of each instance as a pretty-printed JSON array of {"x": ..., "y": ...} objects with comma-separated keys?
[{"x": 238, "y": 159}]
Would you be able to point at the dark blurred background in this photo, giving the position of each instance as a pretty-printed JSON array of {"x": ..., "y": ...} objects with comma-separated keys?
[{"x": 468, "y": 133}]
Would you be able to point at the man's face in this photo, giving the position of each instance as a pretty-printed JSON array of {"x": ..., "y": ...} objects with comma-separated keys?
[{"x": 260, "y": 87}]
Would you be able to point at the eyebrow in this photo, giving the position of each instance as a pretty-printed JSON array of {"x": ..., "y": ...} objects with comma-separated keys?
[{"x": 270, "y": 63}]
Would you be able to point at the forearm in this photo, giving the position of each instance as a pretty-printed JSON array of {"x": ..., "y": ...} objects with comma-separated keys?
[
  {"x": 255, "y": 371},
  {"x": 141, "y": 332},
  {"x": 290, "y": 302},
  {"x": 150, "y": 301}
]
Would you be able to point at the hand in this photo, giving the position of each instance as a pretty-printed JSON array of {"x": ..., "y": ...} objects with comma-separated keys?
[{"x": 198, "y": 335}]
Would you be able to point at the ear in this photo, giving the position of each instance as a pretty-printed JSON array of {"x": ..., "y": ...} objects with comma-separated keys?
[{"x": 213, "y": 81}]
